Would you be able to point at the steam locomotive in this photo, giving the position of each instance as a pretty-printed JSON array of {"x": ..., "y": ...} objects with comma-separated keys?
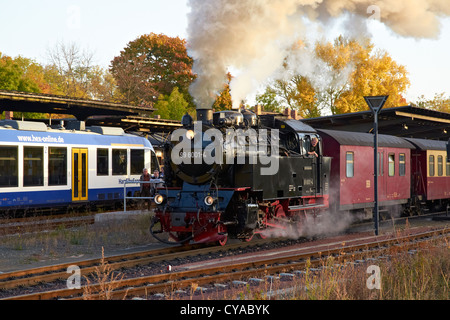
[{"x": 235, "y": 175}]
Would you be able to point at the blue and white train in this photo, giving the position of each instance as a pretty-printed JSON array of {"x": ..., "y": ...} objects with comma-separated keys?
[{"x": 44, "y": 167}]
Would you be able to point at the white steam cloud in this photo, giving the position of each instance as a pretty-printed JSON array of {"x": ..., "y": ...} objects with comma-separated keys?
[{"x": 254, "y": 36}]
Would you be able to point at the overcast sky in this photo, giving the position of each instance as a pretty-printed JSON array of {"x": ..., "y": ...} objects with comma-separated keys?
[{"x": 30, "y": 27}]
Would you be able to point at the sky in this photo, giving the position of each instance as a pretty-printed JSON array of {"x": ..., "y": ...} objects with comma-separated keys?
[{"x": 31, "y": 27}]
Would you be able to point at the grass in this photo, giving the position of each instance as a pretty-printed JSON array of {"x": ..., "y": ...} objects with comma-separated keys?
[
  {"x": 87, "y": 239},
  {"x": 106, "y": 280},
  {"x": 422, "y": 275}
]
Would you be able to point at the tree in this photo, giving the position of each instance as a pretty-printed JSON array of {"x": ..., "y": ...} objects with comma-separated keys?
[
  {"x": 20, "y": 74},
  {"x": 347, "y": 70},
  {"x": 269, "y": 100},
  {"x": 70, "y": 67},
  {"x": 439, "y": 103},
  {"x": 171, "y": 107},
  {"x": 71, "y": 72},
  {"x": 376, "y": 73},
  {"x": 224, "y": 101},
  {"x": 299, "y": 94},
  {"x": 153, "y": 65}
]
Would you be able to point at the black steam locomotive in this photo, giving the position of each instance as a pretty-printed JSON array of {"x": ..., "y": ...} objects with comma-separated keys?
[{"x": 233, "y": 174}]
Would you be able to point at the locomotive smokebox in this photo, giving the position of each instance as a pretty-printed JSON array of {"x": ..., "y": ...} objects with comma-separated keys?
[{"x": 205, "y": 115}]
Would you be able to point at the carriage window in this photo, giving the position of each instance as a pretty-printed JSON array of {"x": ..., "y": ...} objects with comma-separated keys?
[
  {"x": 350, "y": 165},
  {"x": 57, "y": 166},
  {"x": 33, "y": 166},
  {"x": 380, "y": 164},
  {"x": 102, "y": 162},
  {"x": 119, "y": 162},
  {"x": 137, "y": 161},
  {"x": 448, "y": 169},
  {"x": 431, "y": 166},
  {"x": 391, "y": 165},
  {"x": 440, "y": 166},
  {"x": 402, "y": 165},
  {"x": 9, "y": 167}
]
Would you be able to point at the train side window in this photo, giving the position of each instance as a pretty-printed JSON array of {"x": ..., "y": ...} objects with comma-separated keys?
[
  {"x": 119, "y": 162},
  {"x": 448, "y": 169},
  {"x": 137, "y": 161},
  {"x": 57, "y": 166},
  {"x": 402, "y": 165},
  {"x": 102, "y": 162},
  {"x": 350, "y": 168},
  {"x": 33, "y": 166},
  {"x": 391, "y": 165},
  {"x": 431, "y": 166},
  {"x": 380, "y": 164},
  {"x": 9, "y": 165},
  {"x": 440, "y": 166}
]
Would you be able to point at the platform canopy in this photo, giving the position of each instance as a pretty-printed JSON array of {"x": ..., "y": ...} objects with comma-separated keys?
[
  {"x": 136, "y": 123},
  {"x": 92, "y": 112},
  {"x": 79, "y": 108},
  {"x": 408, "y": 122}
]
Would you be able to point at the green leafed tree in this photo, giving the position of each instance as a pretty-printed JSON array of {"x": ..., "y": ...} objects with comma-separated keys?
[
  {"x": 173, "y": 106},
  {"x": 20, "y": 74},
  {"x": 440, "y": 102}
]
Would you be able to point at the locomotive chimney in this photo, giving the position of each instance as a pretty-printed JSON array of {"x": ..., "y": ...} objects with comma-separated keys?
[{"x": 205, "y": 115}]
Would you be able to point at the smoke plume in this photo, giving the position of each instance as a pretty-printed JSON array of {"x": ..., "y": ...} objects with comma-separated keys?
[{"x": 254, "y": 36}]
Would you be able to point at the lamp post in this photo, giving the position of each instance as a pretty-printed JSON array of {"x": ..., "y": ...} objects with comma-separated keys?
[{"x": 376, "y": 104}]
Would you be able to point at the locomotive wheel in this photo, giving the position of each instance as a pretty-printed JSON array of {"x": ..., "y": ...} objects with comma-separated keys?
[
  {"x": 222, "y": 229},
  {"x": 279, "y": 212}
]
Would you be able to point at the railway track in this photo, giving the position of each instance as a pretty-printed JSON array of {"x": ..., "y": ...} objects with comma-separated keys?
[
  {"x": 30, "y": 277},
  {"x": 204, "y": 272}
]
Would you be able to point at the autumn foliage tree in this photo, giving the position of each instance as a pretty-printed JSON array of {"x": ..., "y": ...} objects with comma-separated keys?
[
  {"x": 350, "y": 70},
  {"x": 224, "y": 101},
  {"x": 150, "y": 66},
  {"x": 374, "y": 73}
]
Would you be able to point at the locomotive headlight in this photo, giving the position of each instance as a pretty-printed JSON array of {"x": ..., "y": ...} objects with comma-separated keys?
[
  {"x": 190, "y": 134},
  {"x": 159, "y": 199},
  {"x": 209, "y": 201}
]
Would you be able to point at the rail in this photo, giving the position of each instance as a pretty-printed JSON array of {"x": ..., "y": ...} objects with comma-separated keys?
[{"x": 153, "y": 182}]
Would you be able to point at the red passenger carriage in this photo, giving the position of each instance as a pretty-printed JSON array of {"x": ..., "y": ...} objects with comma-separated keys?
[
  {"x": 352, "y": 170},
  {"x": 430, "y": 173}
]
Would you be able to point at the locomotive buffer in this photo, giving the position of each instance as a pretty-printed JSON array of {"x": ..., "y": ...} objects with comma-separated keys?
[{"x": 376, "y": 103}]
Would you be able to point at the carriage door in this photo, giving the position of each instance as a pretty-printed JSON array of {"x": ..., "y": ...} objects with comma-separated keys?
[{"x": 79, "y": 174}]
